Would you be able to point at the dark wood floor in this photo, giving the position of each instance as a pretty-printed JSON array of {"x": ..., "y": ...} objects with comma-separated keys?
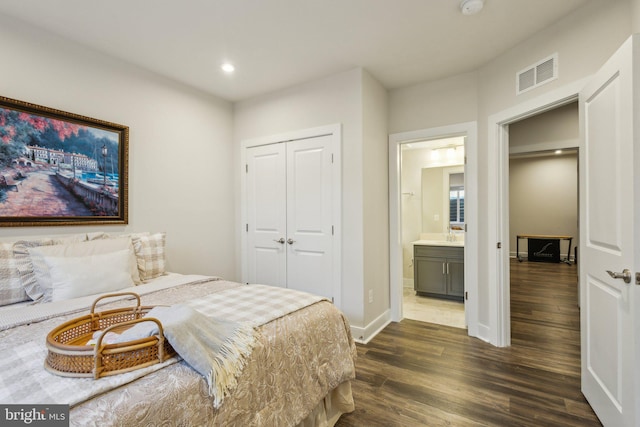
[{"x": 422, "y": 374}]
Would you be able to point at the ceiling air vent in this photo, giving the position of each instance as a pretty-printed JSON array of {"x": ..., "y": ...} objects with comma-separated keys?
[{"x": 537, "y": 74}]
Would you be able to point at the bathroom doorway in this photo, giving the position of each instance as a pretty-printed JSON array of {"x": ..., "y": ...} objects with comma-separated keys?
[
  {"x": 432, "y": 218},
  {"x": 468, "y": 130}
]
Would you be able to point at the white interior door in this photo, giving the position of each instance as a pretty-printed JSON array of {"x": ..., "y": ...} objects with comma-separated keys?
[
  {"x": 609, "y": 306},
  {"x": 309, "y": 214},
  {"x": 266, "y": 215},
  {"x": 289, "y": 215}
]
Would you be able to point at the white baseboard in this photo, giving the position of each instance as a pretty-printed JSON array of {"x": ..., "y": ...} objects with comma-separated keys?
[
  {"x": 484, "y": 333},
  {"x": 362, "y": 335}
]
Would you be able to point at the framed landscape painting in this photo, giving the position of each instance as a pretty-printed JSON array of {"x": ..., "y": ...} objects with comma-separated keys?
[{"x": 59, "y": 168}]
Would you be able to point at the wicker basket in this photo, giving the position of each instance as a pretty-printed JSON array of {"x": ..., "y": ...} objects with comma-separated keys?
[{"x": 70, "y": 356}]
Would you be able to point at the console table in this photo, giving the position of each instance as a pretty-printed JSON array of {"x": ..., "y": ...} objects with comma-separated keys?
[{"x": 544, "y": 237}]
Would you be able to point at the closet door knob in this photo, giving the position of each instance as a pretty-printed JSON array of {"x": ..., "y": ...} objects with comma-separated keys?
[
  {"x": 280, "y": 240},
  {"x": 290, "y": 241}
]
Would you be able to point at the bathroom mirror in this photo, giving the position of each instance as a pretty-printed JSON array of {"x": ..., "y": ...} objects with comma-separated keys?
[
  {"x": 442, "y": 199},
  {"x": 456, "y": 201}
]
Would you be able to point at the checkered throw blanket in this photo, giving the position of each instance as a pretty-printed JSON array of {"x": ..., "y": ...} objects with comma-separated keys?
[
  {"x": 253, "y": 304},
  {"x": 24, "y": 380}
]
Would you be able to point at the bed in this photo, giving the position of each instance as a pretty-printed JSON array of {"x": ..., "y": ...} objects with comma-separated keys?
[{"x": 297, "y": 372}]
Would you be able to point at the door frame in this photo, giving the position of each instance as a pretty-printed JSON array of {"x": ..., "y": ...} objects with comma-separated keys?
[
  {"x": 333, "y": 130},
  {"x": 468, "y": 129},
  {"x": 498, "y": 329}
]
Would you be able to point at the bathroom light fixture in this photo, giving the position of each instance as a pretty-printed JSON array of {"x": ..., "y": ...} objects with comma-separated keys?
[
  {"x": 471, "y": 7},
  {"x": 227, "y": 67},
  {"x": 558, "y": 151}
]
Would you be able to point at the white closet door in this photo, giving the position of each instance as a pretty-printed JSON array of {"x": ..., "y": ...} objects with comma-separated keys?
[
  {"x": 309, "y": 213},
  {"x": 266, "y": 215}
]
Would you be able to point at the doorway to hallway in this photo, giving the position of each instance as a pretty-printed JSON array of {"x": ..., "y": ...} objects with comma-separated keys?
[{"x": 543, "y": 193}]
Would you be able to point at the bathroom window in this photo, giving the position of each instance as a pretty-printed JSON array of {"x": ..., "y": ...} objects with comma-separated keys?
[{"x": 456, "y": 205}]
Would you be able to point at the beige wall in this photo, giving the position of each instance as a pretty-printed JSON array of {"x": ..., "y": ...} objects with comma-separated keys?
[
  {"x": 432, "y": 104},
  {"x": 543, "y": 198},
  {"x": 551, "y": 130},
  {"x": 635, "y": 15},
  {"x": 543, "y": 190},
  {"x": 358, "y": 102},
  {"x": 583, "y": 41},
  {"x": 411, "y": 210},
  {"x": 432, "y": 196},
  {"x": 179, "y": 150},
  {"x": 375, "y": 197}
]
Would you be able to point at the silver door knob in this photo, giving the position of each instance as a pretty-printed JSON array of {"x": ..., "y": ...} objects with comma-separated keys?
[
  {"x": 280, "y": 240},
  {"x": 290, "y": 241},
  {"x": 625, "y": 275}
]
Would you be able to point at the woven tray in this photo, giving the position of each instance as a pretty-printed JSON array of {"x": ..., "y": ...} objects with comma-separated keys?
[{"x": 70, "y": 356}]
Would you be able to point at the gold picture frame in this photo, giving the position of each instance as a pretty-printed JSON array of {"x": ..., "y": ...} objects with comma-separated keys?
[{"x": 60, "y": 168}]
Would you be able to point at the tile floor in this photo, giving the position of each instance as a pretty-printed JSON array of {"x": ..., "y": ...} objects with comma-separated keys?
[{"x": 433, "y": 310}]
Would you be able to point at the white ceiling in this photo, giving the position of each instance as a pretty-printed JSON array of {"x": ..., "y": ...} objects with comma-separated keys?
[{"x": 279, "y": 43}]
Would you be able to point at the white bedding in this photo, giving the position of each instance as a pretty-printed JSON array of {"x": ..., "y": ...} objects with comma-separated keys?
[
  {"x": 23, "y": 313},
  {"x": 302, "y": 362},
  {"x": 24, "y": 379},
  {"x": 297, "y": 374},
  {"x": 24, "y": 361}
]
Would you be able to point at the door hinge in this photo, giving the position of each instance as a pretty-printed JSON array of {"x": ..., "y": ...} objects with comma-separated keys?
[
  {"x": 246, "y": 168},
  {"x": 331, "y": 158},
  {"x": 466, "y": 295},
  {"x": 332, "y": 300},
  {"x": 637, "y": 278},
  {"x": 332, "y": 230},
  {"x": 247, "y": 227},
  {"x": 499, "y": 245},
  {"x": 465, "y": 228}
]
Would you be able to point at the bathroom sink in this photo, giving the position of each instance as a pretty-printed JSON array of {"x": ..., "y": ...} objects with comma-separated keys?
[{"x": 438, "y": 243}]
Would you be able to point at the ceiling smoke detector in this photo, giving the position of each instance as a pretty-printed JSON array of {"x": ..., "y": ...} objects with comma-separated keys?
[{"x": 471, "y": 7}]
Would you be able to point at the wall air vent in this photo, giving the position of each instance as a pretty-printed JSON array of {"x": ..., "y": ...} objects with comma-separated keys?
[{"x": 537, "y": 74}]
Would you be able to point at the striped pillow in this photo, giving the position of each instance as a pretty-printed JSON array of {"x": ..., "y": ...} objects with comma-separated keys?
[
  {"x": 150, "y": 255},
  {"x": 102, "y": 235},
  {"x": 26, "y": 268},
  {"x": 14, "y": 259},
  {"x": 11, "y": 290}
]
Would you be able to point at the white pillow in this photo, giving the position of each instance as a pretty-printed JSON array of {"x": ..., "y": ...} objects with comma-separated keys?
[
  {"x": 74, "y": 277},
  {"x": 74, "y": 250}
]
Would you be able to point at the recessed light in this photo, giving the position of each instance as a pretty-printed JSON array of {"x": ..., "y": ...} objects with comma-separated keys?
[
  {"x": 227, "y": 67},
  {"x": 471, "y": 7},
  {"x": 558, "y": 151}
]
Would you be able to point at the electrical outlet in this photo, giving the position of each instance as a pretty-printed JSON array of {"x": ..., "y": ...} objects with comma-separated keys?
[{"x": 370, "y": 296}]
